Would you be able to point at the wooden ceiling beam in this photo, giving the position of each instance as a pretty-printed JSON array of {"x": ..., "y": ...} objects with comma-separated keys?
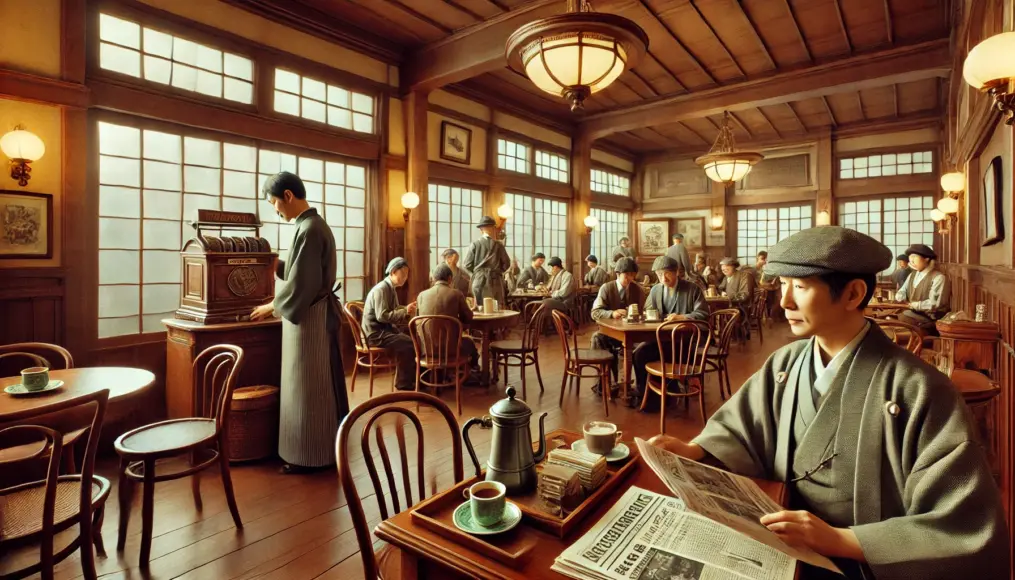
[
  {"x": 859, "y": 104},
  {"x": 799, "y": 121},
  {"x": 828, "y": 109},
  {"x": 770, "y": 123},
  {"x": 696, "y": 134},
  {"x": 895, "y": 99},
  {"x": 663, "y": 66},
  {"x": 799, "y": 32},
  {"x": 673, "y": 35},
  {"x": 757, "y": 36},
  {"x": 898, "y": 65},
  {"x": 415, "y": 14},
  {"x": 465, "y": 10},
  {"x": 843, "y": 28},
  {"x": 889, "y": 27},
  {"x": 722, "y": 44}
]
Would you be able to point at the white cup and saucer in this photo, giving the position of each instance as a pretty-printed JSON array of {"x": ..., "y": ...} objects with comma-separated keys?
[{"x": 602, "y": 438}]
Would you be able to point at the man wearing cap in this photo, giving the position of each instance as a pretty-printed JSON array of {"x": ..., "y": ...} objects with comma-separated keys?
[
  {"x": 563, "y": 287},
  {"x": 535, "y": 273},
  {"x": 692, "y": 276},
  {"x": 459, "y": 279},
  {"x": 624, "y": 250},
  {"x": 674, "y": 299},
  {"x": 612, "y": 302},
  {"x": 313, "y": 399},
  {"x": 487, "y": 260},
  {"x": 382, "y": 316},
  {"x": 596, "y": 275},
  {"x": 885, "y": 472},
  {"x": 738, "y": 285},
  {"x": 442, "y": 299},
  {"x": 926, "y": 290},
  {"x": 902, "y": 271},
  {"x": 678, "y": 251}
]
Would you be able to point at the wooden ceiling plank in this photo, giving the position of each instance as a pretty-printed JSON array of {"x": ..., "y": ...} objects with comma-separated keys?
[
  {"x": 396, "y": 4},
  {"x": 465, "y": 10},
  {"x": 889, "y": 28},
  {"x": 901, "y": 64},
  {"x": 797, "y": 117},
  {"x": 742, "y": 125},
  {"x": 645, "y": 82},
  {"x": 828, "y": 109},
  {"x": 663, "y": 66},
  {"x": 770, "y": 124},
  {"x": 694, "y": 60},
  {"x": 695, "y": 133},
  {"x": 843, "y": 27},
  {"x": 715, "y": 36},
  {"x": 500, "y": 4},
  {"x": 799, "y": 32},
  {"x": 757, "y": 36},
  {"x": 859, "y": 104}
]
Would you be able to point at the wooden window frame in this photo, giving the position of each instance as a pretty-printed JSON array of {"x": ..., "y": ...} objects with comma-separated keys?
[
  {"x": 842, "y": 201},
  {"x": 568, "y": 207},
  {"x": 605, "y": 260},
  {"x": 934, "y": 150},
  {"x": 482, "y": 206},
  {"x": 530, "y": 156},
  {"x": 614, "y": 171},
  {"x": 536, "y": 165},
  {"x": 733, "y": 226}
]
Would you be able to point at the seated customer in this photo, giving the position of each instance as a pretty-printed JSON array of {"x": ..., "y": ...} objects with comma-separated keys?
[
  {"x": 738, "y": 285},
  {"x": 511, "y": 276},
  {"x": 902, "y": 271},
  {"x": 692, "y": 277},
  {"x": 926, "y": 290},
  {"x": 612, "y": 302},
  {"x": 443, "y": 300},
  {"x": 879, "y": 453},
  {"x": 381, "y": 314},
  {"x": 675, "y": 299},
  {"x": 563, "y": 288},
  {"x": 534, "y": 273},
  {"x": 459, "y": 278},
  {"x": 597, "y": 275}
]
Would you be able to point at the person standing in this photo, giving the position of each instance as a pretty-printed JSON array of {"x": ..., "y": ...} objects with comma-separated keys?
[
  {"x": 678, "y": 251},
  {"x": 624, "y": 250},
  {"x": 926, "y": 290},
  {"x": 612, "y": 302},
  {"x": 535, "y": 273},
  {"x": 597, "y": 275},
  {"x": 313, "y": 399},
  {"x": 382, "y": 318},
  {"x": 459, "y": 279},
  {"x": 487, "y": 260}
]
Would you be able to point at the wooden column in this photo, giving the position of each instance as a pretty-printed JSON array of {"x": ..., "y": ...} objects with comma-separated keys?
[
  {"x": 825, "y": 200},
  {"x": 417, "y": 230},
  {"x": 580, "y": 245}
]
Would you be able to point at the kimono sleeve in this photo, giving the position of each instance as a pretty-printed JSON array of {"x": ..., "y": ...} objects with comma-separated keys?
[
  {"x": 306, "y": 273},
  {"x": 698, "y": 302}
]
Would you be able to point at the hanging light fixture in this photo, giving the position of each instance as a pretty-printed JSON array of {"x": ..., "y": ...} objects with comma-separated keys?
[
  {"x": 578, "y": 53},
  {"x": 989, "y": 67},
  {"x": 723, "y": 163},
  {"x": 22, "y": 147}
]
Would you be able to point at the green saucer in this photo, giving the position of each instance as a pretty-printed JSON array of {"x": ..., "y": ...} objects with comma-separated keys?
[
  {"x": 463, "y": 520},
  {"x": 20, "y": 390}
]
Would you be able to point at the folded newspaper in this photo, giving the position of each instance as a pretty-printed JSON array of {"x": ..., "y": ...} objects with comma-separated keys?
[{"x": 710, "y": 530}]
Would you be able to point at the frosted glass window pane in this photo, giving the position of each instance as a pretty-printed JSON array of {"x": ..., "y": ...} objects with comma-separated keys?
[
  {"x": 269, "y": 162},
  {"x": 162, "y": 235},
  {"x": 109, "y": 327},
  {"x": 239, "y": 157},
  {"x": 209, "y": 59},
  {"x": 239, "y": 67},
  {"x": 119, "y": 171},
  {"x": 192, "y": 203},
  {"x": 311, "y": 169},
  {"x": 362, "y": 123},
  {"x": 314, "y": 110},
  {"x": 286, "y": 103},
  {"x": 118, "y": 301},
  {"x": 355, "y": 197},
  {"x": 119, "y": 202},
  {"x": 201, "y": 180},
  {"x": 338, "y": 96},
  {"x": 119, "y": 31},
  {"x": 162, "y": 204},
  {"x": 161, "y": 146},
  {"x": 355, "y": 176},
  {"x": 161, "y": 266},
  {"x": 243, "y": 205},
  {"x": 287, "y": 81},
  {"x": 119, "y": 234},
  {"x": 159, "y": 175},
  {"x": 184, "y": 77},
  {"x": 239, "y": 184},
  {"x": 905, "y": 158},
  {"x": 356, "y": 241},
  {"x": 119, "y": 267},
  {"x": 153, "y": 322},
  {"x": 340, "y": 117},
  {"x": 119, "y": 140},
  {"x": 209, "y": 84},
  {"x": 185, "y": 51},
  {"x": 287, "y": 162},
  {"x": 158, "y": 43},
  {"x": 334, "y": 172},
  {"x": 315, "y": 191},
  {"x": 353, "y": 264},
  {"x": 334, "y": 194},
  {"x": 239, "y": 91},
  {"x": 314, "y": 89},
  {"x": 158, "y": 70},
  {"x": 160, "y": 298},
  {"x": 362, "y": 103},
  {"x": 355, "y": 217},
  {"x": 202, "y": 152},
  {"x": 353, "y": 289}
]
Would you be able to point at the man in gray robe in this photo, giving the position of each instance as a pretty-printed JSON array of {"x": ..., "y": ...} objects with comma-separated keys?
[
  {"x": 442, "y": 299},
  {"x": 738, "y": 286},
  {"x": 624, "y": 250},
  {"x": 487, "y": 260},
  {"x": 563, "y": 288},
  {"x": 612, "y": 302},
  {"x": 885, "y": 473},
  {"x": 678, "y": 251},
  {"x": 674, "y": 299},
  {"x": 902, "y": 271},
  {"x": 459, "y": 278},
  {"x": 534, "y": 273},
  {"x": 926, "y": 290},
  {"x": 313, "y": 399},
  {"x": 382, "y": 318},
  {"x": 597, "y": 275}
]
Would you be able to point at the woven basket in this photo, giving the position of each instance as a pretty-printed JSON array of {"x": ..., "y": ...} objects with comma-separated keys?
[{"x": 253, "y": 423}]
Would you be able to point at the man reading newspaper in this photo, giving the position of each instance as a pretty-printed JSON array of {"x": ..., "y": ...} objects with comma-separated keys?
[{"x": 877, "y": 448}]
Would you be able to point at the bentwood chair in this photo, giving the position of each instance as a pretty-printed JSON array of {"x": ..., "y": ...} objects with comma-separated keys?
[
  {"x": 757, "y": 311},
  {"x": 524, "y": 351},
  {"x": 369, "y": 357},
  {"x": 903, "y": 334},
  {"x": 722, "y": 324},
  {"x": 682, "y": 350},
  {"x": 439, "y": 360},
  {"x": 204, "y": 437},
  {"x": 37, "y": 511},
  {"x": 578, "y": 359},
  {"x": 385, "y": 563}
]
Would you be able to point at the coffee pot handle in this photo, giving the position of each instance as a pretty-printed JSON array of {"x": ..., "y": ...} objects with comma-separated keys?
[{"x": 485, "y": 423}]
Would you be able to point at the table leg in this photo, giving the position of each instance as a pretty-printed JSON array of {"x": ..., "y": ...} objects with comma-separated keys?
[
  {"x": 485, "y": 355},
  {"x": 627, "y": 367},
  {"x": 409, "y": 565}
]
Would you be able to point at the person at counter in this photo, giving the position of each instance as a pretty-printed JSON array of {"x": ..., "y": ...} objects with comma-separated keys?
[
  {"x": 926, "y": 290},
  {"x": 885, "y": 472}
]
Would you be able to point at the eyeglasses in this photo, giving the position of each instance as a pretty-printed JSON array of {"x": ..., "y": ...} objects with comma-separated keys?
[{"x": 810, "y": 472}]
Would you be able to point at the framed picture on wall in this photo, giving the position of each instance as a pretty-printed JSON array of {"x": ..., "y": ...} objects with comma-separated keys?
[
  {"x": 694, "y": 232},
  {"x": 26, "y": 225},
  {"x": 456, "y": 143},
  {"x": 653, "y": 237},
  {"x": 991, "y": 220}
]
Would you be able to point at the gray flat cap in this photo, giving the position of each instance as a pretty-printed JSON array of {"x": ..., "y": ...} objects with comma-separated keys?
[
  {"x": 678, "y": 236},
  {"x": 729, "y": 262},
  {"x": 395, "y": 264},
  {"x": 827, "y": 249},
  {"x": 626, "y": 266},
  {"x": 664, "y": 263},
  {"x": 922, "y": 250},
  {"x": 449, "y": 252},
  {"x": 555, "y": 261}
]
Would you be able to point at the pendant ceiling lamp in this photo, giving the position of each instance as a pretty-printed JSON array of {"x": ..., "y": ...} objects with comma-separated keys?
[
  {"x": 723, "y": 163},
  {"x": 578, "y": 53}
]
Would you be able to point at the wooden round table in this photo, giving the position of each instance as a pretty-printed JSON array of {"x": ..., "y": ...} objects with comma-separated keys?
[
  {"x": 487, "y": 323},
  {"x": 122, "y": 382}
]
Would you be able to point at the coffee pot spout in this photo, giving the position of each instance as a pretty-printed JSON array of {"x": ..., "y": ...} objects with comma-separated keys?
[{"x": 542, "y": 449}]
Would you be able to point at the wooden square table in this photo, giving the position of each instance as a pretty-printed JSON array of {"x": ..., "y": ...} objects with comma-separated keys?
[{"x": 629, "y": 334}]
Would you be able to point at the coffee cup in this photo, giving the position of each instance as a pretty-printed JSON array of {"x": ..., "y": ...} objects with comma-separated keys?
[
  {"x": 486, "y": 502},
  {"x": 601, "y": 437},
  {"x": 35, "y": 378},
  {"x": 651, "y": 315}
]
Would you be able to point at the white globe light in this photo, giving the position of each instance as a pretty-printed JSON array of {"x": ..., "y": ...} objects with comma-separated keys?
[
  {"x": 591, "y": 221},
  {"x": 937, "y": 215},
  {"x": 990, "y": 61},
  {"x": 948, "y": 205},
  {"x": 21, "y": 144},
  {"x": 727, "y": 170},
  {"x": 410, "y": 200},
  {"x": 824, "y": 218},
  {"x": 954, "y": 181},
  {"x": 504, "y": 211},
  {"x": 717, "y": 222}
]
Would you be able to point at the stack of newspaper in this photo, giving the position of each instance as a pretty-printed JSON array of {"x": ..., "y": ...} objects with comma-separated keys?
[
  {"x": 709, "y": 531},
  {"x": 591, "y": 467}
]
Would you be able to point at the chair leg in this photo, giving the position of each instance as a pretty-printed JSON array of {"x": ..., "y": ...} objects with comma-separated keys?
[
  {"x": 521, "y": 371},
  {"x": 195, "y": 482},
  {"x": 370, "y": 390},
  {"x": 86, "y": 546},
  {"x": 147, "y": 512},
  {"x": 100, "y": 517},
  {"x": 459, "y": 377},
  {"x": 701, "y": 400},
  {"x": 125, "y": 493},
  {"x": 227, "y": 480},
  {"x": 69, "y": 462},
  {"x": 604, "y": 386},
  {"x": 535, "y": 361},
  {"x": 662, "y": 405},
  {"x": 355, "y": 367},
  {"x": 761, "y": 335},
  {"x": 563, "y": 385}
]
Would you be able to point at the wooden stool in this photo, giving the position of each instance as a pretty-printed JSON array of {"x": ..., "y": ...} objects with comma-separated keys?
[{"x": 253, "y": 424}]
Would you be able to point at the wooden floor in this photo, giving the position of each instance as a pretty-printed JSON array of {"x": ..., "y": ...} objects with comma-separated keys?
[{"x": 298, "y": 527}]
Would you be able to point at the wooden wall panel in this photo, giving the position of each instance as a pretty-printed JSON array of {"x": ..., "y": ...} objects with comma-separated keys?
[{"x": 31, "y": 305}]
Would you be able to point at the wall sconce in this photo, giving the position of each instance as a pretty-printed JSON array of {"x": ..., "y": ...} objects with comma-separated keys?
[
  {"x": 990, "y": 68},
  {"x": 716, "y": 223},
  {"x": 22, "y": 147},
  {"x": 503, "y": 213},
  {"x": 953, "y": 182},
  {"x": 942, "y": 220},
  {"x": 591, "y": 222},
  {"x": 410, "y": 201}
]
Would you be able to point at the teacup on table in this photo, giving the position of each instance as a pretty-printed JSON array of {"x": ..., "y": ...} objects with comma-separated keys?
[
  {"x": 487, "y": 502},
  {"x": 601, "y": 437},
  {"x": 35, "y": 378}
]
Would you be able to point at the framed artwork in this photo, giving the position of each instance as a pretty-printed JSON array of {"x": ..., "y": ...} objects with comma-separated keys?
[
  {"x": 456, "y": 143},
  {"x": 653, "y": 237},
  {"x": 26, "y": 225},
  {"x": 991, "y": 221},
  {"x": 694, "y": 232}
]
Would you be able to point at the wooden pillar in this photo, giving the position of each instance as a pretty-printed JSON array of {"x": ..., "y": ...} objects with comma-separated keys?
[
  {"x": 417, "y": 229},
  {"x": 825, "y": 200},
  {"x": 580, "y": 245}
]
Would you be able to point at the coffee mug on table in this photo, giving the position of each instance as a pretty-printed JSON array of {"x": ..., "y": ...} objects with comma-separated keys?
[
  {"x": 601, "y": 437},
  {"x": 35, "y": 378},
  {"x": 486, "y": 502}
]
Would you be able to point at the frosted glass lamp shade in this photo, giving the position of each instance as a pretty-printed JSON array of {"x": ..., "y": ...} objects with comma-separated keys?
[
  {"x": 410, "y": 200},
  {"x": 937, "y": 215},
  {"x": 717, "y": 220},
  {"x": 948, "y": 205},
  {"x": 824, "y": 218},
  {"x": 990, "y": 61},
  {"x": 22, "y": 145},
  {"x": 504, "y": 211},
  {"x": 591, "y": 221},
  {"x": 954, "y": 181},
  {"x": 727, "y": 170}
]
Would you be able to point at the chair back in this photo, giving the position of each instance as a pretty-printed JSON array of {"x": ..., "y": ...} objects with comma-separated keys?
[
  {"x": 535, "y": 320},
  {"x": 216, "y": 370},
  {"x": 683, "y": 344},
  {"x": 354, "y": 316},
  {"x": 378, "y": 407},
  {"x": 38, "y": 354},
  {"x": 437, "y": 339},
  {"x": 903, "y": 334},
  {"x": 723, "y": 323},
  {"x": 758, "y": 304},
  {"x": 567, "y": 331}
]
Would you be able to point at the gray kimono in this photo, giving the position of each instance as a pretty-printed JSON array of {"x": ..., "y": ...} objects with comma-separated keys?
[
  {"x": 487, "y": 260},
  {"x": 889, "y": 451},
  {"x": 685, "y": 298},
  {"x": 536, "y": 275},
  {"x": 596, "y": 276},
  {"x": 679, "y": 253},
  {"x": 313, "y": 399}
]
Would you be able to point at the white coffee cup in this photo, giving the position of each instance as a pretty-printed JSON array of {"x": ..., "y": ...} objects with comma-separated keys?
[{"x": 601, "y": 437}]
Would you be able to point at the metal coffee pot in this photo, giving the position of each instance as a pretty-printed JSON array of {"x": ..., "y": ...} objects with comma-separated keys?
[{"x": 512, "y": 461}]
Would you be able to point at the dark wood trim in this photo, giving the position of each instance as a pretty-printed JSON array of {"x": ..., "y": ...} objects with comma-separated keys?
[
  {"x": 828, "y": 109},
  {"x": 889, "y": 28},
  {"x": 495, "y": 103},
  {"x": 73, "y": 39},
  {"x": 890, "y": 186},
  {"x": 446, "y": 172},
  {"x": 28, "y": 87},
  {"x": 843, "y": 28},
  {"x": 612, "y": 202},
  {"x": 532, "y": 142},
  {"x": 459, "y": 116},
  {"x": 715, "y": 37},
  {"x": 769, "y": 122},
  {"x": 78, "y": 253},
  {"x": 394, "y": 162},
  {"x": 530, "y": 184}
]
